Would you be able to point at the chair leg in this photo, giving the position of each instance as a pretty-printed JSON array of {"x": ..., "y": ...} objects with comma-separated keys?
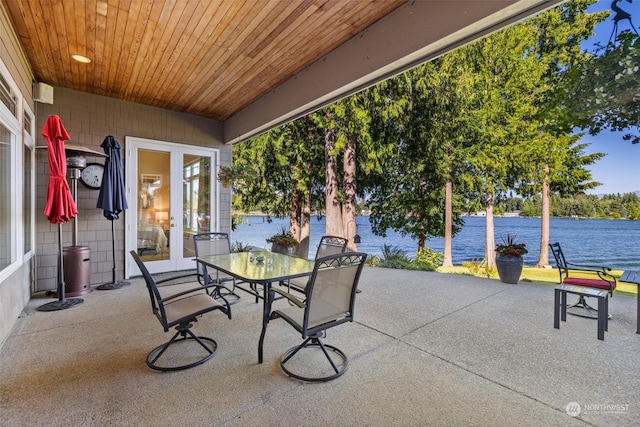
[
  {"x": 229, "y": 294},
  {"x": 183, "y": 334},
  {"x": 314, "y": 341},
  {"x": 217, "y": 293}
]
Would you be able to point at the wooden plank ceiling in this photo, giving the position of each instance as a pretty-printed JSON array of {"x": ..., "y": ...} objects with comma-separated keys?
[{"x": 209, "y": 58}]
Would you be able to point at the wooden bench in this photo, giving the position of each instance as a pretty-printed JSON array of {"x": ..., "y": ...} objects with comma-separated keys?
[{"x": 560, "y": 305}]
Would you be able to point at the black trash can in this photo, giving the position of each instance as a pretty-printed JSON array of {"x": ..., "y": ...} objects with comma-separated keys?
[{"x": 77, "y": 270}]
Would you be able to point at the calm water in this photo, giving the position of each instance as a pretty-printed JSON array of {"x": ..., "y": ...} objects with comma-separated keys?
[{"x": 615, "y": 243}]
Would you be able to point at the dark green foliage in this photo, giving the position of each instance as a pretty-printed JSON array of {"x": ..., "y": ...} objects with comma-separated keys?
[
  {"x": 611, "y": 206},
  {"x": 413, "y": 121},
  {"x": 427, "y": 259},
  {"x": 394, "y": 257},
  {"x": 239, "y": 247},
  {"x": 602, "y": 93}
]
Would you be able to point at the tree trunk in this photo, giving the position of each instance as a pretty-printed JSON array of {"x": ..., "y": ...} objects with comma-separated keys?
[
  {"x": 349, "y": 188},
  {"x": 294, "y": 217},
  {"x": 447, "y": 260},
  {"x": 305, "y": 230},
  {"x": 422, "y": 240},
  {"x": 332, "y": 202},
  {"x": 543, "y": 260},
  {"x": 490, "y": 241}
]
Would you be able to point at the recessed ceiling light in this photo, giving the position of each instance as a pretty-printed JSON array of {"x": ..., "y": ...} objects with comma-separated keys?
[{"x": 81, "y": 58}]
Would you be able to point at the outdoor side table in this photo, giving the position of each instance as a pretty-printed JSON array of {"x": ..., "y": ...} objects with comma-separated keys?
[
  {"x": 560, "y": 305},
  {"x": 631, "y": 276}
]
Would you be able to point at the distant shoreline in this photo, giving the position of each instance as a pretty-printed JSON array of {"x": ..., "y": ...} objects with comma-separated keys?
[{"x": 260, "y": 214}]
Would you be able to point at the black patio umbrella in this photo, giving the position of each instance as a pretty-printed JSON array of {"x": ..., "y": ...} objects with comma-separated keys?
[
  {"x": 112, "y": 198},
  {"x": 60, "y": 207}
]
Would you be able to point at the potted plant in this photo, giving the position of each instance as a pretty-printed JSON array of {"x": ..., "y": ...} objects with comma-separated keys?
[
  {"x": 282, "y": 242},
  {"x": 509, "y": 259}
]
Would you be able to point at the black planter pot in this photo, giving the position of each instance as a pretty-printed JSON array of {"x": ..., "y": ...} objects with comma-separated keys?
[{"x": 509, "y": 268}]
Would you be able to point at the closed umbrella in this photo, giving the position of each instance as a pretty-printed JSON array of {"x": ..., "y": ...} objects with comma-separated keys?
[
  {"x": 60, "y": 207},
  {"x": 112, "y": 199}
]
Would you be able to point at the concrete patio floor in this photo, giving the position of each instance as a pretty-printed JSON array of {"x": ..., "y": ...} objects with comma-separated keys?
[{"x": 426, "y": 349}]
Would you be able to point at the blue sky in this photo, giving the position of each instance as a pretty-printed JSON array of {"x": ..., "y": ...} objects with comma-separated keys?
[{"x": 619, "y": 171}]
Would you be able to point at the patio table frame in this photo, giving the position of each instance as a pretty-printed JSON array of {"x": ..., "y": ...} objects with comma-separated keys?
[{"x": 276, "y": 267}]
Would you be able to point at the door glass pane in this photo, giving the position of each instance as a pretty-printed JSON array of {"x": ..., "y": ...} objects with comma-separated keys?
[
  {"x": 196, "y": 197},
  {"x": 6, "y": 211},
  {"x": 154, "y": 205}
]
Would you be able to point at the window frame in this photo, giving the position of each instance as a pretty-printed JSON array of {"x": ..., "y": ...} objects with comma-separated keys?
[
  {"x": 13, "y": 123},
  {"x": 28, "y": 194}
]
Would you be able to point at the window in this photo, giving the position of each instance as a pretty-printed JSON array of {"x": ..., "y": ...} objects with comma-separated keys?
[
  {"x": 8, "y": 96},
  {"x": 6, "y": 255},
  {"x": 28, "y": 187},
  {"x": 11, "y": 176},
  {"x": 196, "y": 193},
  {"x": 27, "y": 126}
]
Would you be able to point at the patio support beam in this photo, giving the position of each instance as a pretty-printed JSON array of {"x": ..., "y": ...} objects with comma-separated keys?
[{"x": 414, "y": 34}]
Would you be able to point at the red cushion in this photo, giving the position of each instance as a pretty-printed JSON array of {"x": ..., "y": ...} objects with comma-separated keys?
[{"x": 590, "y": 283}]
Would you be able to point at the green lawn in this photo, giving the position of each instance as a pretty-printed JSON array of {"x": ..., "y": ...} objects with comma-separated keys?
[{"x": 549, "y": 276}]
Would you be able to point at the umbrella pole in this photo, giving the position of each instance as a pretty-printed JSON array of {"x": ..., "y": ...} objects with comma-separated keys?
[
  {"x": 62, "y": 302},
  {"x": 61, "y": 284},
  {"x": 114, "y": 284}
]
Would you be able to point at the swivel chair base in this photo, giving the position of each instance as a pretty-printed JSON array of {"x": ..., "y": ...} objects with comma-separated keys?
[
  {"x": 313, "y": 344},
  {"x": 186, "y": 337}
]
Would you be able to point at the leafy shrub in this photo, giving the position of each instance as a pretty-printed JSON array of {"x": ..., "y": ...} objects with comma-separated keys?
[
  {"x": 394, "y": 257},
  {"x": 239, "y": 247},
  {"x": 479, "y": 268},
  {"x": 393, "y": 252},
  {"x": 403, "y": 264},
  {"x": 428, "y": 260},
  {"x": 373, "y": 261}
]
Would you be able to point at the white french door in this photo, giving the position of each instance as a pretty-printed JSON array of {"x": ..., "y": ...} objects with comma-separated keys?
[{"x": 172, "y": 193}]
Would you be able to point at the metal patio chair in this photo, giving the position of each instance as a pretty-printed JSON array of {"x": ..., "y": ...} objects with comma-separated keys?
[
  {"x": 329, "y": 245},
  {"x": 601, "y": 279},
  {"x": 329, "y": 302},
  {"x": 180, "y": 310},
  {"x": 214, "y": 244}
]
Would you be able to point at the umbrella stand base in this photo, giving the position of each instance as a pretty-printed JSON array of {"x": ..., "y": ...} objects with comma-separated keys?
[
  {"x": 60, "y": 305},
  {"x": 112, "y": 285}
]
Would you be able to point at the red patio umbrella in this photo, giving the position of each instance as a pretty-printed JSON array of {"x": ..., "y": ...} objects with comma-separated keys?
[{"x": 60, "y": 207}]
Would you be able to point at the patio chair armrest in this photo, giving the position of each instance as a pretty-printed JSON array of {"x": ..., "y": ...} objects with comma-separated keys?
[
  {"x": 169, "y": 279},
  {"x": 189, "y": 291},
  {"x": 583, "y": 267},
  {"x": 290, "y": 297},
  {"x": 606, "y": 276}
]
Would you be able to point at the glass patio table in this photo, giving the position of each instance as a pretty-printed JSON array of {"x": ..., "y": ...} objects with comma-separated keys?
[{"x": 275, "y": 268}]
